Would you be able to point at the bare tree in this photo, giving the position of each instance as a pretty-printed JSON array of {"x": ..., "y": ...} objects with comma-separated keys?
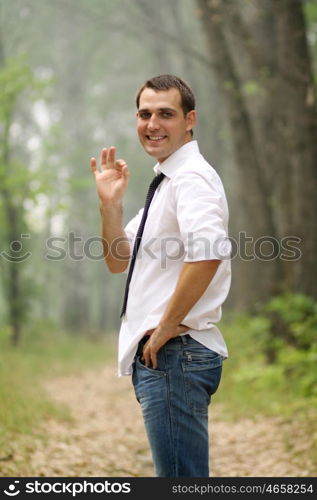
[{"x": 273, "y": 129}]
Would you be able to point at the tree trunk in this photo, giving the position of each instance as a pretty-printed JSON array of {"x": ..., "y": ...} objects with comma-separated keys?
[
  {"x": 255, "y": 192},
  {"x": 12, "y": 268},
  {"x": 296, "y": 128}
]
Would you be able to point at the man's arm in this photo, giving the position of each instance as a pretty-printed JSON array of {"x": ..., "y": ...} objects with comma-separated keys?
[
  {"x": 193, "y": 280},
  {"x": 116, "y": 248},
  {"x": 111, "y": 183}
]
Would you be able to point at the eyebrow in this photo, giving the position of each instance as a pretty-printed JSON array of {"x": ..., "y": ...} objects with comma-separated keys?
[{"x": 160, "y": 109}]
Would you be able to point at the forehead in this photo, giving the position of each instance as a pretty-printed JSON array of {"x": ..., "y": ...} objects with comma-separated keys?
[{"x": 152, "y": 99}]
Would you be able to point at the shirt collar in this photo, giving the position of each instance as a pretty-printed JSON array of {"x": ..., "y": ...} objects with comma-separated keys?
[{"x": 170, "y": 166}]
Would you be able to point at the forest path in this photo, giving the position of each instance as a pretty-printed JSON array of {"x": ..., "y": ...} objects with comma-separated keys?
[{"x": 106, "y": 437}]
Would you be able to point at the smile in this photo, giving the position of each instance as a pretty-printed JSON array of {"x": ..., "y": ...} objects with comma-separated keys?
[{"x": 155, "y": 137}]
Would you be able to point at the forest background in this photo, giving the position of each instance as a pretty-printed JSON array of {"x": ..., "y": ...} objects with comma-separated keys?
[{"x": 69, "y": 72}]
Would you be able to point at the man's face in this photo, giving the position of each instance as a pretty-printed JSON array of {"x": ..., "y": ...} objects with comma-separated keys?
[{"x": 161, "y": 124}]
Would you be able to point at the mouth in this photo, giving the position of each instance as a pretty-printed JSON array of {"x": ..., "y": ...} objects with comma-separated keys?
[{"x": 156, "y": 138}]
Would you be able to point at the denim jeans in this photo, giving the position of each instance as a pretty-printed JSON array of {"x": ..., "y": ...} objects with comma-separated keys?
[{"x": 174, "y": 399}]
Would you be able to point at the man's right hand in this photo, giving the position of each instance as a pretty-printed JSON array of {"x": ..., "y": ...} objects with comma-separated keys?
[{"x": 112, "y": 179}]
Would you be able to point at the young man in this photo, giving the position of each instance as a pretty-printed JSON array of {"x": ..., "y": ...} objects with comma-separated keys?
[{"x": 179, "y": 276}]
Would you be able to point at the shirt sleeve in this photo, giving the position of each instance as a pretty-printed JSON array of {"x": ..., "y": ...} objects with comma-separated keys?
[{"x": 202, "y": 216}]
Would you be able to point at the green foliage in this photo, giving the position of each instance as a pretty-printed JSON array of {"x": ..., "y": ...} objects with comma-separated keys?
[
  {"x": 19, "y": 182},
  {"x": 296, "y": 315},
  {"x": 253, "y": 88},
  {"x": 17, "y": 81},
  {"x": 272, "y": 358},
  {"x": 311, "y": 20},
  {"x": 15, "y": 77}
]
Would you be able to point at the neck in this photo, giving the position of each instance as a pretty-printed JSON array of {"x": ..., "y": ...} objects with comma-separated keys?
[{"x": 188, "y": 139}]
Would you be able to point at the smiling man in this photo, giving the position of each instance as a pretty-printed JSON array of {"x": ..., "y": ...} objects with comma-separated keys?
[
  {"x": 177, "y": 257},
  {"x": 163, "y": 126}
]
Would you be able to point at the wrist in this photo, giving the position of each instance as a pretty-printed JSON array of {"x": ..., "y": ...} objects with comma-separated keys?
[
  {"x": 110, "y": 205},
  {"x": 168, "y": 324}
]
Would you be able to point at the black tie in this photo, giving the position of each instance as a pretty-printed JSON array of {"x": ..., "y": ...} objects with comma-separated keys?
[{"x": 154, "y": 184}]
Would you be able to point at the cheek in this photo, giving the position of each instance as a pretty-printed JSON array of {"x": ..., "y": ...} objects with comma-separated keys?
[
  {"x": 176, "y": 131},
  {"x": 140, "y": 130}
]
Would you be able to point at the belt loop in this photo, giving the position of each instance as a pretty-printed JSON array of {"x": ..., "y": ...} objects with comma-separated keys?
[{"x": 184, "y": 339}]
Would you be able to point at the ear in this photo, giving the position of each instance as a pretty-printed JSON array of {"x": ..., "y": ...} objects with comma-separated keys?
[{"x": 191, "y": 119}]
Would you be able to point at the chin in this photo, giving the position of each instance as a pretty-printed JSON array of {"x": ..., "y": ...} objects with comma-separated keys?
[
  {"x": 156, "y": 157},
  {"x": 152, "y": 152}
]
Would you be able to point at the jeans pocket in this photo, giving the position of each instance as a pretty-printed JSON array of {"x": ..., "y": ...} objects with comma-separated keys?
[
  {"x": 146, "y": 380},
  {"x": 202, "y": 373}
]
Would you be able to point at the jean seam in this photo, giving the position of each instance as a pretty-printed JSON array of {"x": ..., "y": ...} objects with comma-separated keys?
[{"x": 171, "y": 433}]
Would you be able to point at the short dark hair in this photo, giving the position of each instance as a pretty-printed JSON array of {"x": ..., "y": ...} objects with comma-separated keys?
[{"x": 166, "y": 82}]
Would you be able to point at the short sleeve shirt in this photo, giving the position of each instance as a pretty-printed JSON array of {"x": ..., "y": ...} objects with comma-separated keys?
[{"x": 187, "y": 222}]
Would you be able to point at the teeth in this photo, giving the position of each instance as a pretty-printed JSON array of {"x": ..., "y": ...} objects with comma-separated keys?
[{"x": 156, "y": 137}]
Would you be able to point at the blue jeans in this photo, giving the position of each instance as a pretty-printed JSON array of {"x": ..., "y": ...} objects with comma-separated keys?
[{"x": 174, "y": 399}]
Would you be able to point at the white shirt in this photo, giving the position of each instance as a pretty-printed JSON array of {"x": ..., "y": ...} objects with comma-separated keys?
[{"x": 187, "y": 222}]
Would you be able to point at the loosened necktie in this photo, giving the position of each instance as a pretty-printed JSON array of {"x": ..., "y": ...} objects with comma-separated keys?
[{"x": 152, "y": 188}]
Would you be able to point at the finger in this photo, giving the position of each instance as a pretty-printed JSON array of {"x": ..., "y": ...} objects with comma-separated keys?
[
  {"x": 125, "y": 172},
  {"x": 104, "y": 155},
  {"x": 149, "y": 332},
  {"x": 119, "y": 164},
  {"x": 145, "y": 354},
  {"x": 154, "y": 359},
  {"x": 111, "y": 157},
  {"x": 146, "y": 357},
  {"x": 122, "y": 168},
  {"x": 93, "y": 165}
]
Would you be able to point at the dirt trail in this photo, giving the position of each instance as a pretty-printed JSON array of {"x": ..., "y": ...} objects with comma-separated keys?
[{"x": 106, "y": 437}]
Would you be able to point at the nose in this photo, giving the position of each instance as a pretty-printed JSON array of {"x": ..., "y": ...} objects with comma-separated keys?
[{"x": 153, "y": 123}]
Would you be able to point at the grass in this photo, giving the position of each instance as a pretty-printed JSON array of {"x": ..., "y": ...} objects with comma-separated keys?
[{"x": 250, "y": 384}]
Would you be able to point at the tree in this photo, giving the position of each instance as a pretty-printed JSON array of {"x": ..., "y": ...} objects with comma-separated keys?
[
  {"x": 261, "y": 59},
  {"x": 15, "y": 78}
]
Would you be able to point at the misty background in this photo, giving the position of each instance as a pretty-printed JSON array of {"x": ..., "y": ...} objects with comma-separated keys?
[{"x": 69, "y": 74}]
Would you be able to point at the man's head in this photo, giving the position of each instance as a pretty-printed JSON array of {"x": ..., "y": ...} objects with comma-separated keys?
[{"x": 166, "y": 115}]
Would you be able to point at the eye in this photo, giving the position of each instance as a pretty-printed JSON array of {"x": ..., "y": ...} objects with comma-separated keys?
[
  {"x": 145, "y": 115},
  {"x": 167, "y": 114}
]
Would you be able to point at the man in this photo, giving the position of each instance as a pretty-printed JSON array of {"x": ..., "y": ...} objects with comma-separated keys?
[{"x": 178, "y": 277}]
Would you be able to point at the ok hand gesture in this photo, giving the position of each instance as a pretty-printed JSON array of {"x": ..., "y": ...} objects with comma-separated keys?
[{"x": 112, "y": 178}]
